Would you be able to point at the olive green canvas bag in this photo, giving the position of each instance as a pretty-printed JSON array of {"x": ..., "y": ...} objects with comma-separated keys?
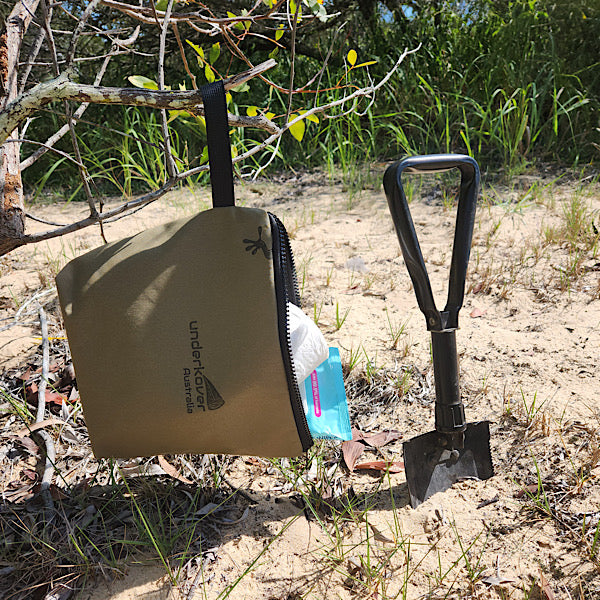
[{"x": 179, "y": 334}]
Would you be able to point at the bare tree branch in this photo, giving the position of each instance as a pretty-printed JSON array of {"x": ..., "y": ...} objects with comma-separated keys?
[
  {"x": 78, "y": 31},
  {"x": 62, "y": 88}
]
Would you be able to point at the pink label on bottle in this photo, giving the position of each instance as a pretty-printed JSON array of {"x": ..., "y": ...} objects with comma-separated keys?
[{"x": 315, "y": 392}]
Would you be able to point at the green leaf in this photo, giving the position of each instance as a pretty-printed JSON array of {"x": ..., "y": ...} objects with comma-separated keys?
[
  {"x": 174, "y": 114},
  {"x": 209, "y": 73},
  {"x": 365, "y": 64},
  {"x": 215, "y": 51},
  {"x": 322, "y": 14},
  {"x": 297, "y": 129},
  {"x": 278, "y": 34},
  {"x": 197, "y": 49},
  {"x": 311, "y": 117},
  {"x": 204, "y": 155},
  {"x": 251, "y": 111},
  {"x": 228, "y": 98},
  {"x": 241, "y": 88},
  {"x": 351, "y": 58},
  {"x": 201, "y": 121},
  {"x": 274, "y": 52},
  {"x": 240, "y": 24},
  {"x": 269, "y": 115},
  {"x": 293, "y": 10},
  {"x": 143, "y": 82}
]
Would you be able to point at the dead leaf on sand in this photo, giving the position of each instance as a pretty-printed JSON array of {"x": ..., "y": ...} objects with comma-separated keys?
[
  {"x": 40, "y": 425},
  {"x": 352, "y": 451},
  {"x": 547, "y": 593},
  {"x": 171, "y": 471},
  {"x": 377, "y": 440},
  {"x": 382, "y": 465}
]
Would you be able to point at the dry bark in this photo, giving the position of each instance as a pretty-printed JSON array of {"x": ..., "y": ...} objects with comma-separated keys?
[{"x": 12, "y": 211}]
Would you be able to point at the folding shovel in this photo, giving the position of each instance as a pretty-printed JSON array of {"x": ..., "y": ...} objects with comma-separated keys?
[{"x": 455, "y": 450}]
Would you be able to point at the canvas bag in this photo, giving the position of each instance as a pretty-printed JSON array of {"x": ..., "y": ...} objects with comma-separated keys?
[{"x": 179, "y": 335}]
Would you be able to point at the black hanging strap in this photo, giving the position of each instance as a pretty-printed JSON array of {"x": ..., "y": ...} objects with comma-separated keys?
[{"x": 219, "y": 146}]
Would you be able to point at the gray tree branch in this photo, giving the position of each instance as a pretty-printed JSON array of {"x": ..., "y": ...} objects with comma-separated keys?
[{"x": 63, "y": 88}]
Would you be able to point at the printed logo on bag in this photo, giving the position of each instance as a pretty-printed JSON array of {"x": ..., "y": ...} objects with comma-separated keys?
[
  {"x": 200, "y": 393},
  {"x": 259, "y": 244}
]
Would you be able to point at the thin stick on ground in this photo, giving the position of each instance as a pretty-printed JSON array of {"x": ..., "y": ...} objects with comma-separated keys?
[{"x": 41, "y": 409}]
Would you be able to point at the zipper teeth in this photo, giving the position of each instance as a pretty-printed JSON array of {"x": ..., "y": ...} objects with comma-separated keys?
[
  {"x": 294, "y": 273},
  {"x": 288, "y": 268}
]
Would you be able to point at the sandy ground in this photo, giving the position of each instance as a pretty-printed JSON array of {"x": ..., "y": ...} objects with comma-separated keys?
[{"x": 529, "y": 346}]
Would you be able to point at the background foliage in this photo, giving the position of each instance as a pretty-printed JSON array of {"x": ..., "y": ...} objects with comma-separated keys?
[{"x": 510, "y": 82}]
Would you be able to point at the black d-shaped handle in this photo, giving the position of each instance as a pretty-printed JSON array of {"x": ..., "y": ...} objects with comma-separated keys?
[{"x": 465, "y": 219}]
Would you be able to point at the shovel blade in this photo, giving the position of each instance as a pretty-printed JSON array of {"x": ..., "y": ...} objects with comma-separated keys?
[{"x": 432, "y": 468}]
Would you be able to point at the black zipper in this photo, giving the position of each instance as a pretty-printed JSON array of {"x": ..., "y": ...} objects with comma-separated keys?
[{"x": 286, "y": 290}]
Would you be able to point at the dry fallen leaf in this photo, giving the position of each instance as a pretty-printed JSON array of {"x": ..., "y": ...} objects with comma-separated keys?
[
  {"x": 379, "y": 536},
  {"x": 55, "y": 492},
  {"x": 60, "y": 592},
  {"x": 478, "y": 287},
  {"x": 40, "y": 425},
  {"x": 382, "y": 465},
  {"x": 171, "y": 471},
  {"x": 528, "y": 489},
  {"x": 29, "y": 445},
  {"x": 547, "y": 592},
  {"x": 377, "y": 440},
  {"x": 352, "y": 451},
  {"x": 494, "y": 580}
]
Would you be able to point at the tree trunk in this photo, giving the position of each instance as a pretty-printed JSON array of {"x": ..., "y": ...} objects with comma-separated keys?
[{"x": 12, "y": 210}]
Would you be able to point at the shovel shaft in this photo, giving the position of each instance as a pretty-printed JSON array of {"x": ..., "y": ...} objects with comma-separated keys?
[{"x": 449, "y": 410}]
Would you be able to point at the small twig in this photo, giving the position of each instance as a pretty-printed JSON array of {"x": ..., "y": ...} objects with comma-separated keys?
[
  {"x": 35, "y": 50},
  {"x": 197, "y": 580},
  {"x": 41, "y": 409},
  {"x": 34, "y": 298},
  {"x": 47, "y": 17},
  {"x": 237, "y": 490},
  {"x": 170, "y": 165},
  {"x": 83, "y": 172},
  {"x": 44, "y": 221},
  {"x": 183, "y": 57},
  {"x": 292, "y": 62},
  {"x": 79, "y": 30},
  {"x": 81, "y": 109}
]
